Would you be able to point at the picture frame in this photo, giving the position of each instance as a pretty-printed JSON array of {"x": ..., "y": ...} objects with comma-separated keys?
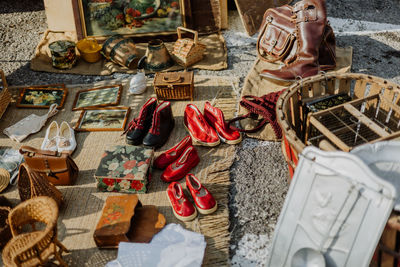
[
  {"x": 102, "y": 119},
  {"x": 42, "y": 96},
  {"x": 98, "y": 97},
  {"x": 142, "y": 20}
]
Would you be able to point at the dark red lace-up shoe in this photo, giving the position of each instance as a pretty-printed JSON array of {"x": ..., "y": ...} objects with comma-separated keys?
[
  {"x": 179, "y": 168},
  {"x": 198, "y": 128},
  {"x": 139, "y": 126},
  {"x": 183, "y": 209},
  {"x": 169, "y": 156},
  {"x": 215, "y": 117},
  {"x": 161, "y": 127},
  {"x": 203, "y": 199}
]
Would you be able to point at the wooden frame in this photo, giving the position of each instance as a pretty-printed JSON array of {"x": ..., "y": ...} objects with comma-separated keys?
[
  {"x": 130, "y": 27},
  {"x": 92, "y": 94},
  {"x": 23, "y": 103},
  {"x": 84, "y": 113}
]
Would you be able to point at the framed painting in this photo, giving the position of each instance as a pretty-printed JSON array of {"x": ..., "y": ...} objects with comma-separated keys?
[
  {"x": 98, "y": 97},
  {"x": 132, "y": 18},
  {"x": 42, "y": 96},
  {"x": 103, "y": 119}
]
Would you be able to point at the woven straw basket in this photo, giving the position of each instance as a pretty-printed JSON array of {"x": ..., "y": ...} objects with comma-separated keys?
[
  {"x": 33, "y": 184},
  {"x": 5, "y": 96},
  {"x": 372, "y": 115}
]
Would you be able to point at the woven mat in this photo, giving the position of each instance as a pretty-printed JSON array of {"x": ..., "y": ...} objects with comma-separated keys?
[
  {"x": 83, "y": 202},
  {"x": 255, "y": 85},
  {"x": 215, "y": 56}
]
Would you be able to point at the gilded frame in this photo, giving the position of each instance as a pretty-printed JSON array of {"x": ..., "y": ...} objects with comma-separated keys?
[
  {"x": 82, "y": 29},
  {"x": 86, "y": 112},
  {"x": 55, "y": 89},
  {"x": 117, "y": 97}
]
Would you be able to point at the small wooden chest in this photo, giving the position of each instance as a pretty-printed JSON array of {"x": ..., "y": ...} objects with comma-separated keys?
[
  {"x": 124, "y": 219},
  {"x": 174, "y": 85}
]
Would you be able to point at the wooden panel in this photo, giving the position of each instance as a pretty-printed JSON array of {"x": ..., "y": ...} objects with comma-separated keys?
[
  {"x": 252, "y": 11},
  {"x": 206, "y": 15},
  {"x": 60, "y": 15},
  {"x": 318, "y": 89},
  {"x": 330, "y": 87},
  {"x": 359, "y": 89},
  {"x": 344, "y": 86},
  {"x": 365, "y": 120},
  {"x": 223, "y": 4},
  {"x": 328, "y": 134}
]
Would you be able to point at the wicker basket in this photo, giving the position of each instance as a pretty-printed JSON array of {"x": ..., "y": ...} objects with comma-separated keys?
[
  {"x": 5, "y": 96},
  {"x": 174, "y": 85},
  {"x": 5, "y": 232},
  {"x": 186, "y": 51},
  {"x": 33, "y": 184},
  {"x": 298, "y": 124}
]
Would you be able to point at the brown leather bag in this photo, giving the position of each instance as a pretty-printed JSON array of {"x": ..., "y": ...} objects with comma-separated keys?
[
  {"x": 58, "y": 168},
  {"x": 277, "y": 38}
]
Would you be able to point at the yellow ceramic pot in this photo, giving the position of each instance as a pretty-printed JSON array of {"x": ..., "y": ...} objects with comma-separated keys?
[{"x": 89, "y": 49}]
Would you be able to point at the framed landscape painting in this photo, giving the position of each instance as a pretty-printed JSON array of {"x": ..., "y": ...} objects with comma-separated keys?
[
  {"x": 103, "y": 119},
  {"x": 103, "y": 18},
  {"x": 42, "y": 96},
  {"x": 98, "y": 97}
]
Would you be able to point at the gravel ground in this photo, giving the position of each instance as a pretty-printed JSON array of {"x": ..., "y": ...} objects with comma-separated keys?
[{"x": 259, "y": 174}]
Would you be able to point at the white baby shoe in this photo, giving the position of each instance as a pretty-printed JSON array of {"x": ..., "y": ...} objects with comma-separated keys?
[
  {"x": 66, "y": 139},
  {"x": 51, "y": 137}
]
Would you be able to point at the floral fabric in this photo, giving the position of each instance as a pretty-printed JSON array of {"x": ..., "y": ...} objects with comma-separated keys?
[{"x": 125, "y": 169}]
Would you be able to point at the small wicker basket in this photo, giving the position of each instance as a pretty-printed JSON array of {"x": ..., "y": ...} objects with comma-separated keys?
[
  {"x": 5, "y": 232},
  {"x": 33, "y": 184},
  {"x": 374, "y": 106},
  {"x": 174, "y": 85},
  {"x": 5, "y": 96},
  {"x": 186, "y": 51}
]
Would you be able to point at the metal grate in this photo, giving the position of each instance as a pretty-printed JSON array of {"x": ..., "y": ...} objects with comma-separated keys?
[{"x": 355, "y": 123}]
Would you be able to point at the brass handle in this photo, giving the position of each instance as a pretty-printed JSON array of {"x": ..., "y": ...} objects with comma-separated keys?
[{"x": 180, "y": 28}]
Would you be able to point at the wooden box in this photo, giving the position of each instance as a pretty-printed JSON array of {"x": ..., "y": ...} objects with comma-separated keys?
[
  {"x": 187, "y": 51},
  {"x": 174, "y": 85},
  {"x": 124, "y": 219}
]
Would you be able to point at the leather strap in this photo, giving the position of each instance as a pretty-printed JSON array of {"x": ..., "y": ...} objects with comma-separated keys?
[
  {"x": 27, "y": 149},
  {"x": 259, "y": 106},
  {"x": 260, "y": 36}
]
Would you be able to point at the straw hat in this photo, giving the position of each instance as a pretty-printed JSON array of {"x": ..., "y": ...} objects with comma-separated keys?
[{"x": 4, "y": 179}]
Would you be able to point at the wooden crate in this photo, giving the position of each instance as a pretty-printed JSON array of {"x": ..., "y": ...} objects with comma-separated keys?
[{"x": 362, "y": 88}]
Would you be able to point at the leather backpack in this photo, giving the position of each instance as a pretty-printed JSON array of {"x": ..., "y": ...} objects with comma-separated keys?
[
  {"x": 57, "y": 168},
  {"x": 277, "y": 39}
]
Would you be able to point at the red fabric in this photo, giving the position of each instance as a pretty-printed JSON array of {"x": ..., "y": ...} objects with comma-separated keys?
[{"x": 263, "y": 106}]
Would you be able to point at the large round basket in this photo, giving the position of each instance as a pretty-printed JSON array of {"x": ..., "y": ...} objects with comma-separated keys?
[{"x": 374, "y": 102}]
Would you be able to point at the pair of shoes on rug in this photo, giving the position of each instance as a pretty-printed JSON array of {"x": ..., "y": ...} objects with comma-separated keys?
[
  {"x": 153, "y": 125},
  {"x": 177, "y": 161},
  {"x": 209, "y": 129},
  {"x": 59, "y": 138},
  {"x": 183, "y": 209}
]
